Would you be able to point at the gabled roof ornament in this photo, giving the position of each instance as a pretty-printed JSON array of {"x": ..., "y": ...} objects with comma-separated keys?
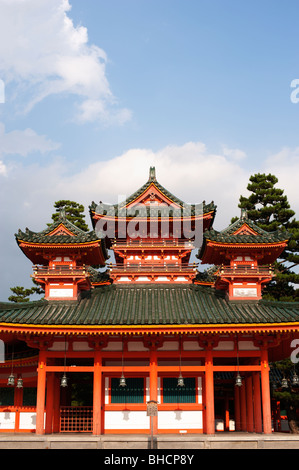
[
  {"x": 152, "y": 174},
  {"x": 62, "y": 214},
  {"x": 244, "y": 214}
]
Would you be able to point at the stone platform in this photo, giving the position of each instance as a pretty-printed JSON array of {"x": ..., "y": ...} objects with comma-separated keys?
[{"x": 127, "y": 442}]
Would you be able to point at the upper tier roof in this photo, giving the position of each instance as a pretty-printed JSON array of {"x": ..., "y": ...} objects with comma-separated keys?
[
  {"x": 60, "y": 234},
  {"x": 178, "y": 207},
  {"x": 242, "y": 233}
]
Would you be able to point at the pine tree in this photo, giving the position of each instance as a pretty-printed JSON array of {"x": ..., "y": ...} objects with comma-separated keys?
[
  {"x": 74, "y": 212},
  {"x": 20, "y": 294},
  {"x": 269, "y": 208}
]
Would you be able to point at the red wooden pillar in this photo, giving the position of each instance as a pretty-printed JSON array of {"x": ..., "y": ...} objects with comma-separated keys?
[
  {"x": 18, "y": 401},
  {"x": 154, "y": 384},
  {"x": 226, "y": 427},
  {"x": 209, "y": 398},
  {"x": 41, "y": 392},
  {"x": 249, "y": 404},
  {"x": 257, "y": 402},
  {"x": 243, "y": 406},
  {"x": 97, "y": 393},
  {"x": 49, "y": 403},
  {"x": 237, "y": 409},
  {"x": 266, "y": 399},
  {"x": 56, "y": 403}
]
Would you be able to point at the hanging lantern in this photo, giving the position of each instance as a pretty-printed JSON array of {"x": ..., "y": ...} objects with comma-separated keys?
[
  {"x": 63, "y": 382},
  {"x": 284, "y": 383},
  {"x": 295, "y": 380},
  {"x": 181, "y": 382},
  {"x": 238, "y": 381},
  {"x": 122, "y": 381},
  {"x": 20, "y": 382},
  {"x": 11, "y": 380}
]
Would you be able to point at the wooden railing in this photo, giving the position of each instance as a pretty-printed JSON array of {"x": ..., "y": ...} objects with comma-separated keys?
[
  {"x": 154, "y": 268},
  {"x": 144, "y": 243},
  {"x": 59, "y": 270},
  {"x": 246, "y": 269}
]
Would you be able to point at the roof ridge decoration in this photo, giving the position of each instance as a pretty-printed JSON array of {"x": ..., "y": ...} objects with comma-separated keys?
[
  {"x": 120, "y": 208},
  {"x": 152, "y": 174}
]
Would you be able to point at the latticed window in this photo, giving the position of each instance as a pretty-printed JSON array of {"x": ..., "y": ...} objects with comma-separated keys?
[
  {"x": 174, "y": 394},
  {"x": 132, "y": 393},
  {"x": 6, "y": 396}
]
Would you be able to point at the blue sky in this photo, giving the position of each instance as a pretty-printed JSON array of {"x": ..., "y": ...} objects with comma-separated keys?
[{"x": 97, "y": 91}]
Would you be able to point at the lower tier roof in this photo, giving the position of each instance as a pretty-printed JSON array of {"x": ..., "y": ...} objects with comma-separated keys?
[{"x": 147, "y": 305}]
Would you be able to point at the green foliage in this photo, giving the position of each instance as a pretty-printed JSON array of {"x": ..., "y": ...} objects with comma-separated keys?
[
  {"x": 23, "y": 295},
  {"x": 74, "y": 212},
  {"x": 268, "y": 207}
]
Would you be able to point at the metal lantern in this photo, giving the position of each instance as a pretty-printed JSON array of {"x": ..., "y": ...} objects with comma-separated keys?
[
  {"x": 284, "y": 383},
  {"x": 11, "y": 380},
  {"x": 63, "y": 382},
  {"x": 20, "y": 382},
  {"x": 181, "y": 382},
  {"x": 122, "y": 381},
  {"x": 295, "y": 380},
  {"x": 238, "y": 382}
]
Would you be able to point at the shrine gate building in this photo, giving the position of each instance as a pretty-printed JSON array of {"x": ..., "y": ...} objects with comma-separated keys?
[{"x": 109, "y": 337}]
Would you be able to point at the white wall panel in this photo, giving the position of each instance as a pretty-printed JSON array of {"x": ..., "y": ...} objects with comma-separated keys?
[
  {"x": 7, "y": 420},
  {"x": 126, "y": 420},
  {"x": 180, "y": 419}
]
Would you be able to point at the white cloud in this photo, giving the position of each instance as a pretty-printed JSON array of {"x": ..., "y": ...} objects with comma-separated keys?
[
  {"x": 44, "y": 53},
  {"x": 285, "y": 166},
  {"x": 234, "y": 154},
  {"x": 24, "y": 142},
  {"x": 21, "y": 142}
]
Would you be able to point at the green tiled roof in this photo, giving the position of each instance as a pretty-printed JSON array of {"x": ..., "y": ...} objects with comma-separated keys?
[
  {"x": 149, "y": 305},
  {"x": 227, "y": 235},
  {"x": 121, "y": 211},
  {"x": 44, "y": 237},
  {"x": 97, "y": 277}
]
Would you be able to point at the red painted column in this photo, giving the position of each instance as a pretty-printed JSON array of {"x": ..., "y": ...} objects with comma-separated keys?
[
  {"x": 266, "y": 399},
  {"x": 209, "y": 386},
  {"x": 49, "y": 403},
  {"x": 249, "y": 404},
  {"x": 237, "y": 409},
  {"x": 243, "y": 406},
  {"x": 41, "y": 392},
  {"x": 18, "y": 401},
  {"x": 226, "y": 427},
  {"x": 154, "y": 384},
  {"x": 97, "y": 393},
  {"x": 56, "y": 404},
  {"x": 257, "y": 402}
]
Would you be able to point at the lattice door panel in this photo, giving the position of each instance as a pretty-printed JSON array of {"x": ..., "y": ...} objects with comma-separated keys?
[{"x": 76, "y": 419}]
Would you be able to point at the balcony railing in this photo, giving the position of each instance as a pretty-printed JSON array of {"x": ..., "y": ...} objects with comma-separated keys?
[
  {"x": 144, "y": 243},
  {"x": 59, "y": 270},
  {"x": 152, "y": 268},
  {"x": 246, "y": 269}
]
